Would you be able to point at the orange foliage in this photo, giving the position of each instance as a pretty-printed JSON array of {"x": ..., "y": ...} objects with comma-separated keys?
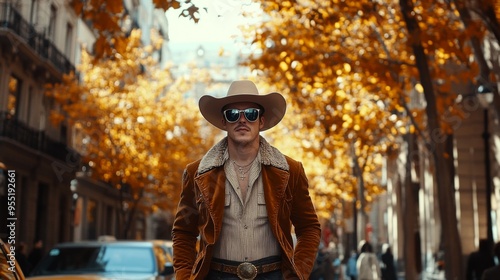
[
  {"x": 349, "y": 71},
  {"x": 136, "y": 126},
  {"x": 107, "y": 15}
]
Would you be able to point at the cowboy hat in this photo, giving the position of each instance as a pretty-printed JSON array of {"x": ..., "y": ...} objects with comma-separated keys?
[{"x": 273, "y": 104}]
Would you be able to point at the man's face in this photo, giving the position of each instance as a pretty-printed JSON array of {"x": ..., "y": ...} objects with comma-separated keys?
[{"x": 243, "y": 130}]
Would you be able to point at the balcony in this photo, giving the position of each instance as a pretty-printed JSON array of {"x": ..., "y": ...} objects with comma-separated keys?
[
  {"x": 11, "y": 20},
  {"x": 37, "y": 140}
]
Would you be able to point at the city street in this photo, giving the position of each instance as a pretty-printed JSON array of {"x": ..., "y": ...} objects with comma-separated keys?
[{"x": 389, "y": 110}]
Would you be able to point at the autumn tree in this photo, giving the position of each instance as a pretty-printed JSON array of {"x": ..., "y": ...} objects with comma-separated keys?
[
  {"x": 346, "y": 116},
  {"x": 107, "y": 19},
  {"x": 352, "y": 68},
  {"x": 476, "y": 14},
  {"x": 138, "y": 129},
  {"x": 322, "y": 175}
]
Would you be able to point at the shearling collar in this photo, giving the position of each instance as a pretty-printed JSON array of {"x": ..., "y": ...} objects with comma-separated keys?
[{"x": 269, "y": 156}]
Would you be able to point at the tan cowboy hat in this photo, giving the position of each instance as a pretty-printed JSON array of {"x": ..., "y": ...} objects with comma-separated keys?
[{"x": 274, "y": 104}]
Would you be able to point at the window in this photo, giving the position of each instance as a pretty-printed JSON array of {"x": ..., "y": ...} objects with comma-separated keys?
[
  {"x": 109, "y": 220},
  {"x": 91, "y": 217},
  {"x": 69, "y": 40},
  {"x": 64, "y": 133},
  {"x": 42, "y": 210},
  {"x": 35, "y": 8},
  {"x": 31, "y": 97},
  {"x": 14, "y": 96},
  {"x": 52, "y": 23},
  {"x": 127, "y": 259},
  {"x": 42, "y": 118}
]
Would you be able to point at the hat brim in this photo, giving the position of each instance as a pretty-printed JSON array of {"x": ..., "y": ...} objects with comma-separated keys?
[{"x": 274, "y": 106}]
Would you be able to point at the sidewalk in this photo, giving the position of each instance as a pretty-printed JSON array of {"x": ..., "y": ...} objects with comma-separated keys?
[
  {"x": 433, "y": 276},
  {"x": 425, "y": 276}
]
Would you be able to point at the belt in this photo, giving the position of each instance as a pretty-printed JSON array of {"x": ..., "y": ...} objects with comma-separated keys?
[{"x": 245, "y": 270}]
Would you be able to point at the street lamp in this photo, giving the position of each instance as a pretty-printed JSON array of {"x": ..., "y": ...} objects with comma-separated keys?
[
  {"x": 73, "y": 186},
  {"x": 485, "y": 96}
]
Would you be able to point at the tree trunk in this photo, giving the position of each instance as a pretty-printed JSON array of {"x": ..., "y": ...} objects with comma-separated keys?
[
  {"x": 362, "y": 218},
  {"x": 489, "y": 17},
  {"x": 410, "y": 214},
  {"x": 128, "y": 208},
  {"x": 130, "y": 218},
  {"x": 445, "y": 187}
]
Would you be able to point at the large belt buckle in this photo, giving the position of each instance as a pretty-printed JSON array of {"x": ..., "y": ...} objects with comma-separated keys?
[{"x": 246, "y": 271}]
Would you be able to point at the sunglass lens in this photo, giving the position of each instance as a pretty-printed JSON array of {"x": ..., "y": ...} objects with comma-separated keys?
[
  {"x": 232, "y": 115},
  {"x": 251, "y": 114}
]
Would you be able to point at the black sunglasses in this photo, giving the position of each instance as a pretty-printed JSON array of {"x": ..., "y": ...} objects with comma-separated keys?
[{"x": 233, "y": 115}]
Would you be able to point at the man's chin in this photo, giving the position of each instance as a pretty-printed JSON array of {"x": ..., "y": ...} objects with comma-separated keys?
[{"x": 243, "y": 138}]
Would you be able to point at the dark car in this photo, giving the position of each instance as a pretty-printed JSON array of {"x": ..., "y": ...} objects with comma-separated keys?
[{"x": 137, "y": 260}]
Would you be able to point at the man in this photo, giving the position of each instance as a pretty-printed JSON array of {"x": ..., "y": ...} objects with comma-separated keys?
[
  {"x": 36, "y": 253},
  {"x": 388, "y": 267},
  {"x": 242, "y": 198},
  {"x": 479, "y": 261},
  {"x": 351, "y": 270},
  {"x": 493, "y": 273}
]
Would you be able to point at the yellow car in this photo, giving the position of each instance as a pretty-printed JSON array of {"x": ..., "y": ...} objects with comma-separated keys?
[
  {"x": 9, "y": 269},
  {"x": 113, "y": 260}
]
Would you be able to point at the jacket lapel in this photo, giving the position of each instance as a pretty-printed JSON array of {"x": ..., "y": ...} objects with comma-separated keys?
[
  {"x": 275, "y": 181},
  {"x": 212, "y": 185}
]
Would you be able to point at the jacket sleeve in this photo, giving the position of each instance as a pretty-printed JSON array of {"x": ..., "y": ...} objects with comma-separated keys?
[
  {"x": 185, "y": 229},
  {"x": 305, "y": 221}
]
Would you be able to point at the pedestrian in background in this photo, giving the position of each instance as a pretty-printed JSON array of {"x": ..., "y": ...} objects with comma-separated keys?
[
  {"x": 338, "y": 273},
  {"x": 368, "y": 263},
  {"x": 243, "y": 197},
  {"x": 479, "y": 261},
  {"x": 493, "y": 273},
  {"x": 36, "y": 253},
  {"x": 388, "y": 268},
  {"x": 22, "y": 258},
  {"x": 323, "y": 264},
  {"x": 351, "y": 270}
]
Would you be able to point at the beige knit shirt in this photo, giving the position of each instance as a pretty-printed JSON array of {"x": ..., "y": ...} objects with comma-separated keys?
[{"x": 246, "y": 233}]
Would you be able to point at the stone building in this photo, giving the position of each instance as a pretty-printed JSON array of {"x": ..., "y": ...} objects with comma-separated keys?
[
  {"x": 55, "y": 201},
  {"x": 37, "y": 46}
]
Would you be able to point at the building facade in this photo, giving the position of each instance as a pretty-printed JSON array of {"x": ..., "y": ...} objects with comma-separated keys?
[
  {"x": 55, "y": 201},
  {"x": 37, "y": 46},
  {"x": 473, "y": 156}
]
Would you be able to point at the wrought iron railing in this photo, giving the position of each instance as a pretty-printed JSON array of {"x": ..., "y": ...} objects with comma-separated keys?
[
  {"x": 13, "y": 20},
  {"x": 37, "y": 140}
]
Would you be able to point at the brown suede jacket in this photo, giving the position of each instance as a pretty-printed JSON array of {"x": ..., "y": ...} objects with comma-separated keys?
[{"x": 201, "y": 210}]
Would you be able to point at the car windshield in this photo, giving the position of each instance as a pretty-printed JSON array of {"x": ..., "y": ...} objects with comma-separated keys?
[{"x": 103, "y": 259}]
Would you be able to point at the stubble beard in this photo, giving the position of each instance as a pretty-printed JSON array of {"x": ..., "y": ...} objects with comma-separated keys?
[{"x": 244, "y": 140}]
